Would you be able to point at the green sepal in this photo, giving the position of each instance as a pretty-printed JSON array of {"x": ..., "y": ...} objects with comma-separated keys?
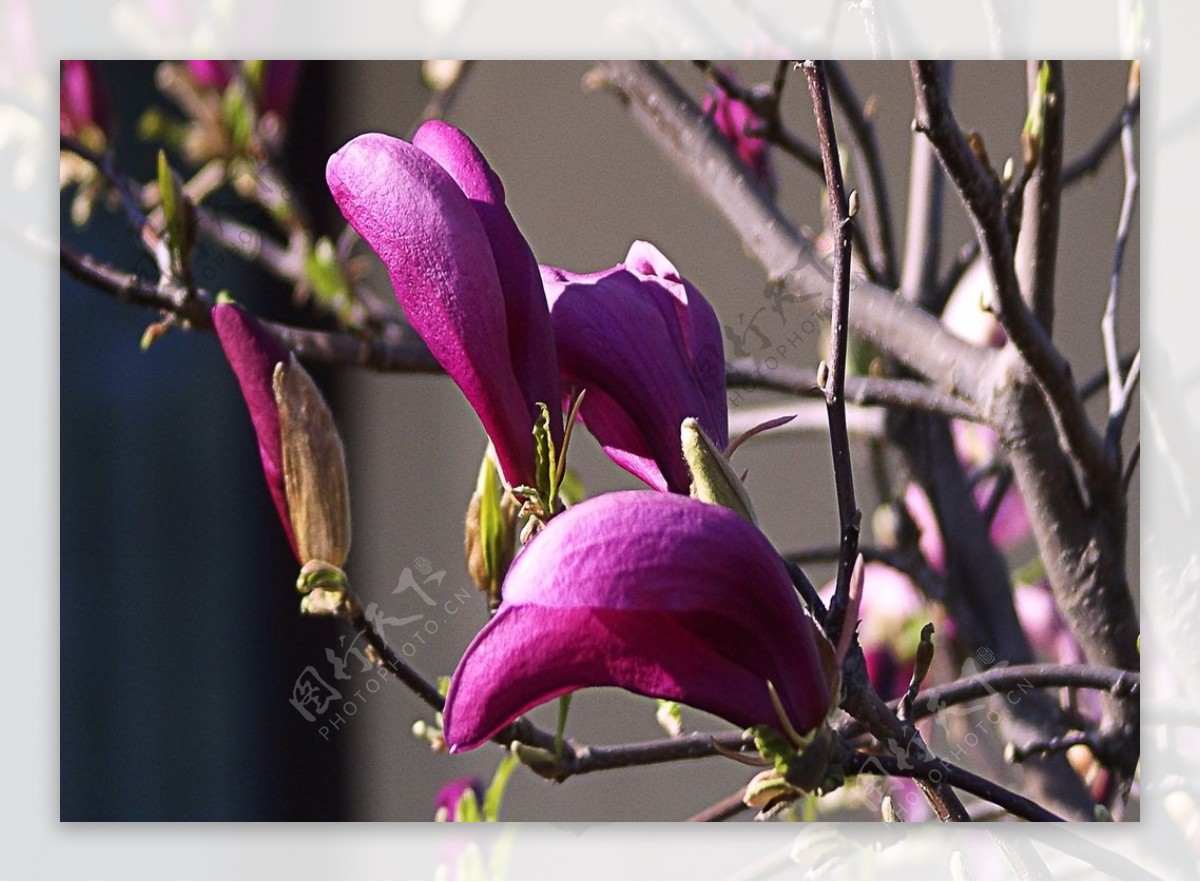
[
  {"x": 490, "y": 530},
  {"x": 547, "y": 457}
]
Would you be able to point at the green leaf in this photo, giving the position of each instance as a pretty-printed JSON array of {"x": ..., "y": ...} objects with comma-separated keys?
[{"x": 494, "y": 795}]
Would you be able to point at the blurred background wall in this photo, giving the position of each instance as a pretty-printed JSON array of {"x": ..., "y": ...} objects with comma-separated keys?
[{"x": 181, "y": 642}]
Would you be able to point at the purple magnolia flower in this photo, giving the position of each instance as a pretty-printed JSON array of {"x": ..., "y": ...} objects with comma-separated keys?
[
  {"x": 656, "y": 593},
  {"x": 733, "y": 118},
  {"x": 445, "y": 804},
  {"x": 434, "y": 212},
  {"x": 83, "y": 100},
  {"x": 253, "y": 354},
  {"x": 647, "y": 347}
]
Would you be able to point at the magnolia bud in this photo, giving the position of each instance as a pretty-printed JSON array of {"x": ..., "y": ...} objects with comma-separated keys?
[
  {"x": 713, "y": 478},
  {"x": 314, "y": 467}
]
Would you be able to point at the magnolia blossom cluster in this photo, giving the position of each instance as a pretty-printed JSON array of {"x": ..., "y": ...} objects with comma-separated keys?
[{"x": 653, "y": 591}]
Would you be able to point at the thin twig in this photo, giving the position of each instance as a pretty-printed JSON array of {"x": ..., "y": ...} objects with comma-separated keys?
[
  {"x": 876, "y": 206},
  {"x": 723, "y": 809},
  {"x": 1131, "y": 466},
  {"x": 911, "y": 565},
  {"x": 1119, "y": 391},
  {"x": 767, "y": 105},
  {"x": 678, "y": 127},
  {"x": 834, "y": 385},
  {"x": 1014, "y": 680},
  {"x": 908, "y": 394},
  {"x": 941, "y": 771},
  {"x": 1088, "y": 163}
]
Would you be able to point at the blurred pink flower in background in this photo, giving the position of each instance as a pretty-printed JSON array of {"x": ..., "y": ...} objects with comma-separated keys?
[
  {"x": 733, "y": 118},
  {"x": 85, "y": 109}
]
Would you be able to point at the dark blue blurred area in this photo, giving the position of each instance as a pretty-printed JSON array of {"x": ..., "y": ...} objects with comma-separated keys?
[{"x": 181, "y": 639}]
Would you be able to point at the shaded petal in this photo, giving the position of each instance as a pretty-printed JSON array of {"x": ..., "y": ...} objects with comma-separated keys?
[
  {"x": 655, "y": 593},
  {"x": 649, "y": 342},
  {"x": 436, "y": 251},
  {"x": 280, "y": 79},
  {"x": 530, "y": 337},
  {"x": 253, "y": 353}
]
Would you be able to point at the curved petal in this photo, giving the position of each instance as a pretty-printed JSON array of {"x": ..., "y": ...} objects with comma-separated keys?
[
  {"x": 253, "y": 354},
  {"x": 530, "y": 336},
  {"x": 650, "y": 343},
  {"x": 430, "y": 238},
  {"x": 655, "y": 593}
]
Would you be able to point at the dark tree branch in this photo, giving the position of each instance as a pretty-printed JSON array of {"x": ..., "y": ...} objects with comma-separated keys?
[
  {"x": 678, "y": 128},
  {"x": 834, "y": 384},
  {"x": 939, "y": 771},
  {"x": 1089, "y": 162},
  {"x": 907, "y": 394},
  {"x": 1037, "y": 248},
  {"x": 399, "y": 350},
  {"x": 980, "y": 192},
  {"x": 875, "y": 202},
  {"x": 995, "y": 681},
  {"x": 923, "y": 233}
]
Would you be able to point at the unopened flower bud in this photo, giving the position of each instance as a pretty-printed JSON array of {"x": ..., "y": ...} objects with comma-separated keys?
[
  {"x": 713, "y": 478},
  {"x": 314, "y": 467}
]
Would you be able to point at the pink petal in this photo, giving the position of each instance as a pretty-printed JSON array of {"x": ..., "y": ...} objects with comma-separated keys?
[
  {"x": 253, "y": 353},
  {"x": 655, "y": 593},
  {"x": 650, "y": 344},
  {"x": 429, "y": 237}
]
